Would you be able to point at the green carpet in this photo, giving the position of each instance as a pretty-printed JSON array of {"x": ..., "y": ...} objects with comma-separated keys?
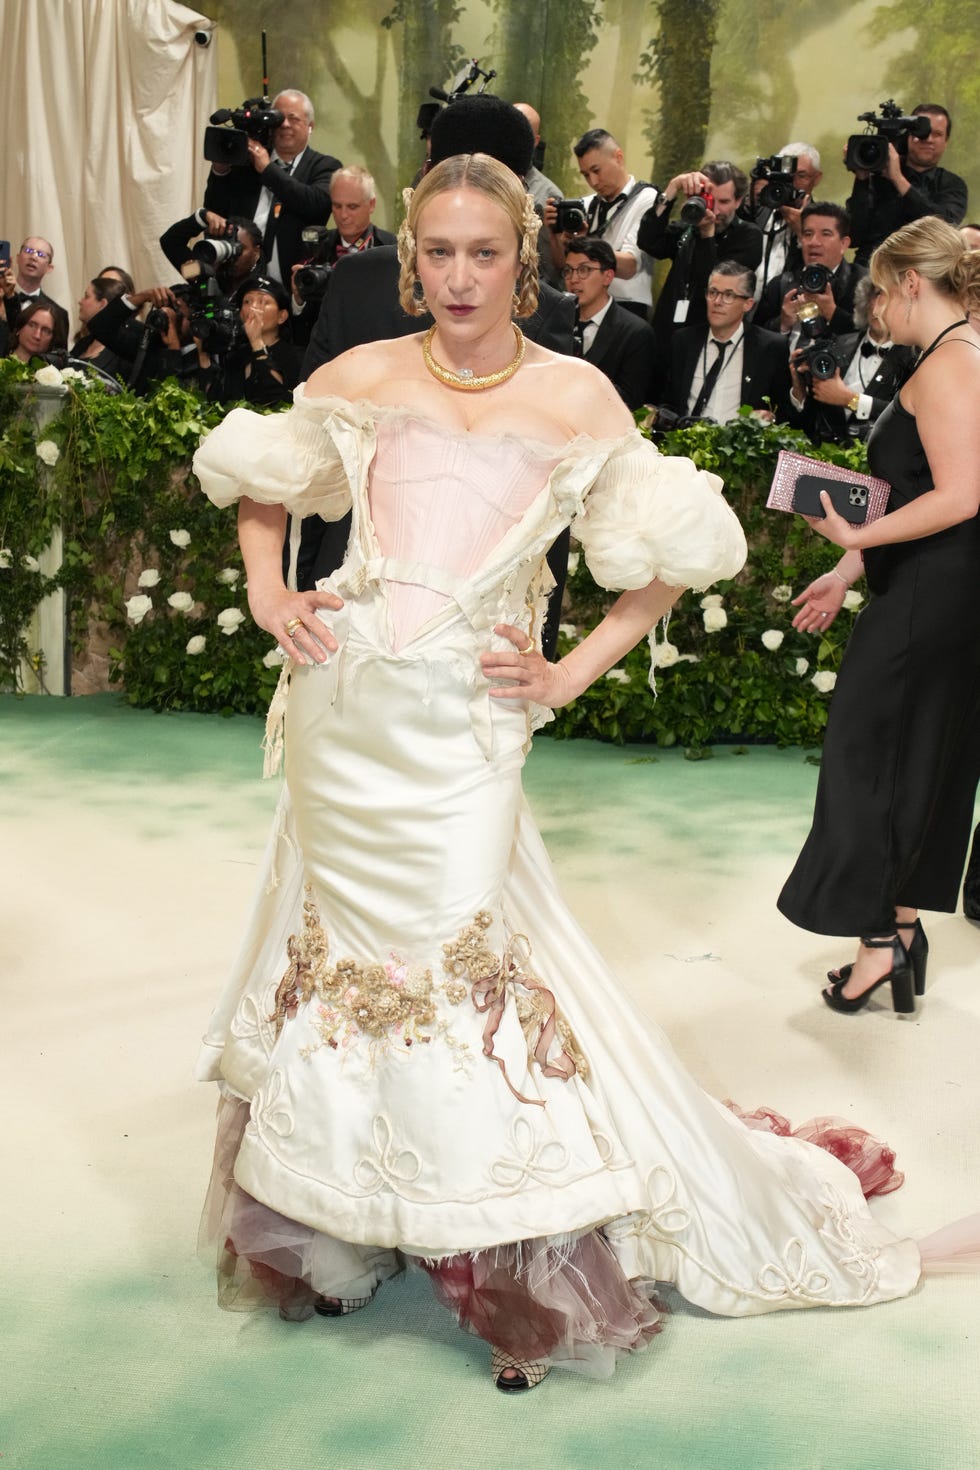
[{"x": 129, "y": 847}]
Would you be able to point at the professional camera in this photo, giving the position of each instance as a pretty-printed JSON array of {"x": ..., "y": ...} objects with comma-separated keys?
[
  {"x": 311, "y": 281},
  {"x": 778, "y": 172},
  {"x": 664, "y": 419},
  {"x": 217, "y": 252},
  {"x": 226, "y": 141},
  {"x": 814, "y": 278},
  {"x": 694, "y": 208},
  {"x": 869, "y": 150},
  {"x": 570, "y": 216},
  {"x": 818, "y": 351},
  {"x": 218, "y": 326}
]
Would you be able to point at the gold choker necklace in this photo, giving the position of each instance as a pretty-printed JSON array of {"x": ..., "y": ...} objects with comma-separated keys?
[{"x": 466, "y": 381}]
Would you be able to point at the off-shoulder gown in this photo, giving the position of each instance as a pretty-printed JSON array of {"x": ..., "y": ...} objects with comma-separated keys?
[{"x": 420, "y": 1053}]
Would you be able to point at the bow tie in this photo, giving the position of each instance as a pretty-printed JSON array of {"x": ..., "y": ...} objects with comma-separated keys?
[{"x": 871, "y": 349}]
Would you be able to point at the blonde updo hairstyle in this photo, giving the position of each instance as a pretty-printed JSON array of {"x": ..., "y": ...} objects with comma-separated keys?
[
  {"x": 938, "y": 253},
  {"x": 481, "y": 172}
]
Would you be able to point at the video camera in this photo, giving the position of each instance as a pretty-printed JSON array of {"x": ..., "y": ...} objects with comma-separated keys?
[
  {"x": 869, "y": 150},
  {"x": 226, "y": 141},
  {"x": 458, "y": 87},
  {"x": 778, "y": 172}
]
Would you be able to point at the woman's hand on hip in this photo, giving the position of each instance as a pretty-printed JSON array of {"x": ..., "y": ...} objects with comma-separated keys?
[
  {"x": 291, "y": 618},
  {"x": 528, "y": 673}
]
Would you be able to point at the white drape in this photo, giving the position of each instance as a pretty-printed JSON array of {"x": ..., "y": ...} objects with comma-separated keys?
[{"x": 105, "y": 105}]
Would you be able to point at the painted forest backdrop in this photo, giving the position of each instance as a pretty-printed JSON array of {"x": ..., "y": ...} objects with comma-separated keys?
[{"x": 676, "y": 81}]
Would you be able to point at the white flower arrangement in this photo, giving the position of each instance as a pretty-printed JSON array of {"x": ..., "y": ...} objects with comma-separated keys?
[
  {"x": 149, "y": 577},
  {"x": 180, "y": 601},
  {"x": 6, "y": 558},
  {"x": 137, "y": 608},
  {"x": 802, "y": 664},
  {"x": 782, "y": 593},
  {"x": 228, "y": 576},
  {"x": 852, "y": 599},
  {"x": 568, "y": 629},
  {"x": 74, "y": 375},
  {"x": 823, "y": 681},
  {"x": 664, "y": 655},
  {"x": 196, "y": 645},
  {"x": 573, "y": 560},
  {"x": 274, "y": 658},
  {"x": 180, "y": 538},
  {"x": 31, "y": 564},
  {"x": 715, "y": 618},
  {"x": 230, "y": 620},
  {"x": 771, "y": 639},
  {"x": 619, "y": 676},
  {"x": 47, "y": 450},
  {"x": 49, "y": 376},
  {"x": 713, "y": 599}
]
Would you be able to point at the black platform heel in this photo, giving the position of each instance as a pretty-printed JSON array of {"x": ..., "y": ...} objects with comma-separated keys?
[
  {"x": 917, "y": 951},
  {"x": 900, "y": 976}
]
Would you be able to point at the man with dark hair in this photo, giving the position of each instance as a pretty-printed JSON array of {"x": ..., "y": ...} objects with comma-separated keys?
[
  {"x": 613, "y": 212},
  {"x": 232, "y": 276},
  {"x": 612, "y": 339},
  {"x": 695, "y": 246},
  {"x": 824, "y": 239},
  {"x": 872, "y": 369},
  {"x": 907, "y": 188},
  {"x": 362, "y": 306},
  {"x": 727, "y": 362},
  {"x": 283, "y": 190}
]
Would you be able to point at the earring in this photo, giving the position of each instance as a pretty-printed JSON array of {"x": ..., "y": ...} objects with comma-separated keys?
[
  {"x": 418, "y": 296},
  {"x": 515, "y": 301}
]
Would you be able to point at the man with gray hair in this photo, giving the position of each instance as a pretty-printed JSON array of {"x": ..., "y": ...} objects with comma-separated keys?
[
  {"x": 781, "y": 226},
  {"x": 352, "y": 202},
  {"x": 284, "y": 190}
]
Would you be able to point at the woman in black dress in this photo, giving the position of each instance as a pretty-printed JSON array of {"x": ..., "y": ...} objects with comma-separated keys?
[{"x": 901, "y": 762}]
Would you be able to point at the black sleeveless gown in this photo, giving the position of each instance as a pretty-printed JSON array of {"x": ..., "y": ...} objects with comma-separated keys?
[{"x": 901, "y": 759}]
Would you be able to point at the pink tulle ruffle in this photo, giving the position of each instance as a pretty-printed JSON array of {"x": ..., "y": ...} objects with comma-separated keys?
[{"x": 872, "y": 1161}]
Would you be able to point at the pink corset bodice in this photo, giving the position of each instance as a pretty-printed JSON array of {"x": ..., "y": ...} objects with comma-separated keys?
[{"x": 444, "y": 500}]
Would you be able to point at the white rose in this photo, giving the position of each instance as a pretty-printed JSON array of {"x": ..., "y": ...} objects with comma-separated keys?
[
  {"x": 149, "y": 578},
  {"x": 713, "y": 599},
  {"x": 620, "y": 676},
  {"x": 823, "y": 681},
  {"x": 230, "y": 620},
  {"x": 47, "y": 450},
  {"x": 715, "y": 618},
  {"x": 802, "y": 664},
  {"x": 229, "y": 576},
  {"x": 31, "y": 564},
  {"x": 573, "y": 560},
  {"x": 852, "y": 599},
  {"x": 196, "y": 644},
  {"x": 771, "y": 639},
  {"x": 274, "y": 658},
  {"x": 782, "y": 593},
  {"x": 6, "y": 558},
  {"x": 180, "y": 538},
  {"x": 663, "y": 655},
  {"x": 137, "y": 608},
  {"x": 181, "y": 601},
  {"x": 49, "y": 376},
  {"x": 73, "y": 375}
]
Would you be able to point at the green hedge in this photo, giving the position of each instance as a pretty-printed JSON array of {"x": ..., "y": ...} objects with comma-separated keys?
[{"x": 123, "y": 490}]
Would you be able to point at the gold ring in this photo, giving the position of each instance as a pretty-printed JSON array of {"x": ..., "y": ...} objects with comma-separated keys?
[
  {"x": 292, "y": 625},
  {"x": 528, "y": 649}
]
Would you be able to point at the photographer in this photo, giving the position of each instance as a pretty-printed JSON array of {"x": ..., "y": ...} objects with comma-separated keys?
[
  {"x": 284, "y": 187},
  {"x": 870, "y": 370},
  {"x": 233, "y": 249},
  {"x": 709, "y": 230},
  {"x": 825, "y": 278},
  {"x": 781, "y": 222},
  {"x": 256, "y": 364},
  {"x": 352, "y": 203},
  {"x": 159, "y": 347},
  {"x": 907, "y": 187}
]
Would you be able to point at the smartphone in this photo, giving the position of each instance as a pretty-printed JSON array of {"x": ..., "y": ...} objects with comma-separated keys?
[
  {"x": 849, "y": 500},
  {"x": 4, "y": 254}
]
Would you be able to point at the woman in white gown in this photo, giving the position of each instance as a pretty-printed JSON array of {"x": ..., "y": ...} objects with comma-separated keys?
[{"x": 421, "y": 1056}]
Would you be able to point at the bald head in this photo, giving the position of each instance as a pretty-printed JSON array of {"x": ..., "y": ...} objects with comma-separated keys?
[{"x": 533, "y": 118}]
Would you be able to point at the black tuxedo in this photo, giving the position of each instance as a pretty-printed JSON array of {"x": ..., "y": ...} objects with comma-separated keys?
[
  {"x": 769, "y": 310},
  {"x": 765, "y": 368},
  {"x": 362, "y": 306},
  {"x": 175, "y": 243},
  {"x": 118, "y": 327},
  {"x": 20, "y": 299},
  {"x": 327, "y": 254},
  {"x": 827, "y": 423},
  {"x": 624, "y": 348},
  {"x": 299, "y": 199}
]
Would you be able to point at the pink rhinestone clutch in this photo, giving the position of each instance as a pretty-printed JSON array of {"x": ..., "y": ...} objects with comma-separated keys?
[{"x": 790, "y": 467}]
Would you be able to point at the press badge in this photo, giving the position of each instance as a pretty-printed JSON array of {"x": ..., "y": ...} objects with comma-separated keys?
[{"x": 681, "y": 310}]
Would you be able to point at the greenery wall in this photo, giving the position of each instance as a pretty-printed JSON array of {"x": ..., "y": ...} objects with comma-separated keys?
[
  {"x": 675, "y": 80},
  {"x": 153, "y": 575}
]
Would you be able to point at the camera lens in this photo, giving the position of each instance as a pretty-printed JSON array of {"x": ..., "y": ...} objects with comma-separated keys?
[
  {"x": 814, "y": 278},
  {"x": 693, "y": 210}
]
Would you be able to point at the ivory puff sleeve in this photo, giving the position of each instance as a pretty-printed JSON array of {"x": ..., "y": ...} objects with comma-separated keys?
[
  {"x": 303, "y": 459},
  {"x": 654, "y": 515}
]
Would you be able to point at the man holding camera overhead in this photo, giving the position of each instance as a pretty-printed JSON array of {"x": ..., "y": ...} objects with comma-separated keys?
[
  {"x": 903, "y": 188},
  {"x": 283, "y": 190},
  {"x": 612, "y": 213}
]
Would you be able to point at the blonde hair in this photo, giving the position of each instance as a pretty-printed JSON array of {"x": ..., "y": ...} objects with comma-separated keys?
[
  {"x": 938, "y": 253},
  {"x": 481, "y": 172}
]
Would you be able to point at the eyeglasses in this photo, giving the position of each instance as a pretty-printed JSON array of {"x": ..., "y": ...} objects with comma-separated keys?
[
  {"x": 713, "y": 294},
  {"x": 578, "y": 272},
  {"x": 40, "y": 254}
]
